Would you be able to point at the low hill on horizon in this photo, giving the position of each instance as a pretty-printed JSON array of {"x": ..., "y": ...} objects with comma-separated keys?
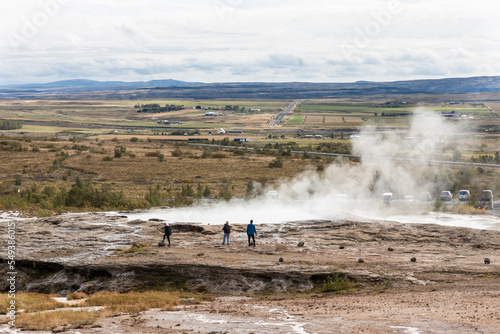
[{"x": 169, "y": 88}]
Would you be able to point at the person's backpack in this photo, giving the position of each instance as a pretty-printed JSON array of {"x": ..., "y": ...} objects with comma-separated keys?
[{"x": 168, "y": 230}]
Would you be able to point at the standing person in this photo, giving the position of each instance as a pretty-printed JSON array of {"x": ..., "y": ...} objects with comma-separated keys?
[
  {"x": 227, "y": 230},
  {"x": 167, "y": 232},
  {"x": 251, "y": 232}
]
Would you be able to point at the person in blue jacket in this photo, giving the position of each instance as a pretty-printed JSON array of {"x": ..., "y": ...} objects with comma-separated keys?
[{"x": 251, "y": 232}]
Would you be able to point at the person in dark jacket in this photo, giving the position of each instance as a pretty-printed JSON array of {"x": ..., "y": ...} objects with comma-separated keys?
[
  {"x": 167, "y": 232},
  {"x": 251, "y": 232},
  {"x": 227, "y": 230}
]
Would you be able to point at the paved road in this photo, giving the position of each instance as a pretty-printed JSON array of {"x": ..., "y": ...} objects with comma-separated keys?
[
  {"x": 496, "y": 210},
  {"x": 413, "y": 161},
  {"x": 287, "y": 110}
]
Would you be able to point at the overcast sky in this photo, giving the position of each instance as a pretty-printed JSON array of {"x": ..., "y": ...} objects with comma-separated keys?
[{"x": 247, "y": 40}]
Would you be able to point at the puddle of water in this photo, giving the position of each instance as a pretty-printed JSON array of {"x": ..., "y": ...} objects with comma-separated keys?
[{"x": 406, "y": 330}]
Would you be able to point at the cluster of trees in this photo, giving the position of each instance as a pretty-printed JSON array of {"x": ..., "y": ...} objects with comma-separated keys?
[
  {"x": 156, "y": 108},
  {"x": 487, "y": 158},
  {"x": 397, "y": 114},
  {"x": 10, "y": 125},
  {"x": 235, "y": 108}
]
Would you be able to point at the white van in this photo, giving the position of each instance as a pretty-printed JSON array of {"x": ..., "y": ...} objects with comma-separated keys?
[
  {"x": 387, "y": 198},
  {"x": 463, "y": 195}
]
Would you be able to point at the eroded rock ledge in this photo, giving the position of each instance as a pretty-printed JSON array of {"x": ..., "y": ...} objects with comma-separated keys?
[{"x": 88, "y": 252}]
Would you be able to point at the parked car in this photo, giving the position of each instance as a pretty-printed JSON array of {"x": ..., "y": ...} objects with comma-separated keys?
[
  {"x": 463, "y": 195},
  {"x": 486, "y": 199},
  {"x": 387, "y": 198},
  {"x": 445, "y": 196}
]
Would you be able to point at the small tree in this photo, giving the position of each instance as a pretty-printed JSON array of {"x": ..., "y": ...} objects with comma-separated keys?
[
  {"x": 276, "y": 163},
  {"x": 207, "y": 193}
]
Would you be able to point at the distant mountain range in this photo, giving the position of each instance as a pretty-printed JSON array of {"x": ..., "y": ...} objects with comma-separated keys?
[
  {"x": 99, "y": 85},
  {"x": 285, "y": 90}
]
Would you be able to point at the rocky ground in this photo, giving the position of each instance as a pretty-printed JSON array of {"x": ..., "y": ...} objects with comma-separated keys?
[{"x": 448, "y": 288}]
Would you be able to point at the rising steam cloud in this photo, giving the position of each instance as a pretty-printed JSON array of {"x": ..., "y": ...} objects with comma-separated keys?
[{"x": 396, "y": 161}]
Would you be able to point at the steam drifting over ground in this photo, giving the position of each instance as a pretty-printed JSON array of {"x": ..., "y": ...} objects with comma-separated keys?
[{"x": 321, "y": 195}]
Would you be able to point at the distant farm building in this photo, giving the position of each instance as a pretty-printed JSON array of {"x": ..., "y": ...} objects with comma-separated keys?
[
  {"x": 240, "y": 140},
  {"x": 221, "y": 131},
  {"x": 211, "y": 113},
  {"x": 234, "y": 131}
]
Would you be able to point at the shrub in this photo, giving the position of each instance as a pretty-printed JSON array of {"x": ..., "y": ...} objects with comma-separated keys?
[
  {"x": 206, "y": 154},
  {"x": 219, "y": 155},
  {"x": 239, "y": 152},
  {"x": 276, "y": 163},
  {"x": 134, "y": 139},
  {"x": 153, "y": 154},
  {"x": 177, "y": 153},
  {"x": 119, "y": 151},
  {"x": 337, "y": 283}
]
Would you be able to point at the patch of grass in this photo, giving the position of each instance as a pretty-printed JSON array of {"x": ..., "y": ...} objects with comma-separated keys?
[
  {"x": 51, "y": 320},
  {"x": 295, "y": 120},
  {"x": 337, "y": 283},
  {"x": 135, "y": 248},
  {"x": 387, "y": 284},
  {"x": 30, "y": 302},
  {"x": 133, "y": 302},
  {"x": 77, "y": 295},
  {"x": 468, "y": 210}
]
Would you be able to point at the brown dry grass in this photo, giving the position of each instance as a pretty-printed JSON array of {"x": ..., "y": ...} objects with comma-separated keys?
[
  {"x": 77, "y": 295},
  {"x": 133, "y": 302},
  {"x": 134, "y": 172},
  {"x": 30, "y": 302},
  {"x": 52, "y": 320}
]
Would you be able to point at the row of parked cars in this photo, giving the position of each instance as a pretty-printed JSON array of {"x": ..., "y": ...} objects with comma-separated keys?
[
  {"x": 464, "y": 195},
  {"x": 485, "y": 198}
]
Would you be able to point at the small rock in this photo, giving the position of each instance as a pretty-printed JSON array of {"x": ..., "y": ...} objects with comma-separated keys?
[
  {"x": 58, "y": 329},
  {"x": 486, "y": 261},
  {"x": 200, "y": 254},
  {"x": 136, "y": 245},
  {"x": 390, "y": 249},
  {"x": 413, "y": 259},
  {"x": 281, "y": 259},
  {"x": 361, "y": 261},
  {"x": 341, "y": 247},
  {"x": 300, "y": 244},
  {"x": 161, "y": 244}
]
